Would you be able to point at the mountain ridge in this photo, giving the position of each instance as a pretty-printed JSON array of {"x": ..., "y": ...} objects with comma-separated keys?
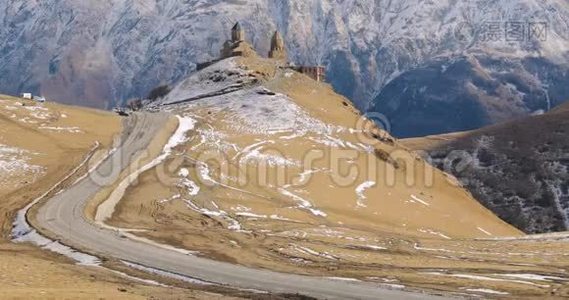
[{"x": 106, "y": 53}]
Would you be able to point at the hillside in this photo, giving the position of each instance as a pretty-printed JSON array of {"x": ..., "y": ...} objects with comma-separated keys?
[
  {"x": 257, "y": 168},
  {"x": 254, "y": 183},
  {"x": 40, "y": 144},
  {"x": 517, "y": 169},
  {"x": 394, "y": 57}
]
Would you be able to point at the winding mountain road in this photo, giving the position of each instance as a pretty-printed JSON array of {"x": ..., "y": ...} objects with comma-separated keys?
[{"x": 63, "y": 217}]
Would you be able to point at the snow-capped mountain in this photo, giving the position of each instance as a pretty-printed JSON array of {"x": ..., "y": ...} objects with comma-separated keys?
[{"x": 437, "y": 65}]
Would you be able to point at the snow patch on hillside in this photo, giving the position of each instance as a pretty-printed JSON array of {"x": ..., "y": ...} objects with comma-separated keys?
[
  {"x": 303, "y": 203},
  {"x": 15, "y": 165},
  {"x": 227, "y": 89},
  {"x": 416, "y": 199},
  {"x": 486, "y": 291},
  {"x": 360, "y": 191},
  {"x": 166, "y": 274},
  {"x": 80, "y": 258},
  {"x": 62, "y": 129}
]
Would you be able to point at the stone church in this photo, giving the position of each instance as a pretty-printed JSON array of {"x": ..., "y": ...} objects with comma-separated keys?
[{"x": 237, "y": 46}]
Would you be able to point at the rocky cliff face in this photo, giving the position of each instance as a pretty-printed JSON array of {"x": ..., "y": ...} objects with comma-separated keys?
[{"x": 388, "y": 56}]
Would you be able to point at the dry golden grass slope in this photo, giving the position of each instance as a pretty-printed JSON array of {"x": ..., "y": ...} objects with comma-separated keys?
[
  {"x": 39, "y": 145},
  {"x": 276, "y": 173}
]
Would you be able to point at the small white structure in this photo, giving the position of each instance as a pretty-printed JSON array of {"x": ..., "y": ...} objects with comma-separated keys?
[
  {"x": 39, "y": 99},
  {"x": 27, "y": 96}
]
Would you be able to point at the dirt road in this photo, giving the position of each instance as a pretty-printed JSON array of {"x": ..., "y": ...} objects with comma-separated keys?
[{"x": 63, "y": 216}]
